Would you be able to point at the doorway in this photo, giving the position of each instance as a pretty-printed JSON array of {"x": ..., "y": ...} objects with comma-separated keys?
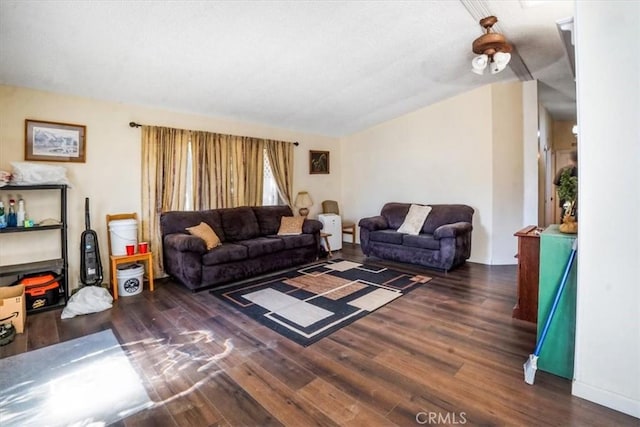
[{"x": 559, "y": 159}]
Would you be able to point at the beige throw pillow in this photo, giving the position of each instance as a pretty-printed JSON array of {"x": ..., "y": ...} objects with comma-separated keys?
[
  {"x": 290, "y": 225},
  {"x": 206, "y": 233},
  {"x": 415, "y": 219}
]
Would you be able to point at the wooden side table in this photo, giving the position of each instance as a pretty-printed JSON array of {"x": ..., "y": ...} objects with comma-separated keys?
[
  {"x": 526, "y": 307},
  {"x": 326, "y": 236},
  {"x": 125, "y": 259}
]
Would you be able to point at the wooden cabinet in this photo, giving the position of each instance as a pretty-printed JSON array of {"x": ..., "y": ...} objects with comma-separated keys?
[
  {"x": 526, "y": 307},
  {"x": 557, "y": 353}
]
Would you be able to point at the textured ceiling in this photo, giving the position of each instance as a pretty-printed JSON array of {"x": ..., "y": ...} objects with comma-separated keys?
[{"x": 331, "y": 68}]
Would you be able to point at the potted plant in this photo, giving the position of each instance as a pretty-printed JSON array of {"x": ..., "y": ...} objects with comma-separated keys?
[{"x": 568, "y": 191}]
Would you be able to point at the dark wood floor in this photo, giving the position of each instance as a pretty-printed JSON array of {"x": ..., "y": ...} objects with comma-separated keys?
[{"x": 448, "y": 352}]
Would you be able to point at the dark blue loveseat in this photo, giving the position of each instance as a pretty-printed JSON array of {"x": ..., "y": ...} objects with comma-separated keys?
[{"x": 443, "y": 243}]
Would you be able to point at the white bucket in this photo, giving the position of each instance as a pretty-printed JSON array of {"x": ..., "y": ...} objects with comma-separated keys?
[
  {"x": 123, "y": 232},
  {"x": 130, "y": 279}
]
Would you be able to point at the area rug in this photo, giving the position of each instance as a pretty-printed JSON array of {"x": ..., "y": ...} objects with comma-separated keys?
[
  {"x": 309, "y": 303},
  {"x": 85, "y": 381}
]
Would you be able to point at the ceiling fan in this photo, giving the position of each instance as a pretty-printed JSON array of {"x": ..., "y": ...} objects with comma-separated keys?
[{"x": 492, "y": 49}]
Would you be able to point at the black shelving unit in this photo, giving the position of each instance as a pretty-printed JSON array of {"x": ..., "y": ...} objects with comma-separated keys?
[{"x": 58, "y": 265}]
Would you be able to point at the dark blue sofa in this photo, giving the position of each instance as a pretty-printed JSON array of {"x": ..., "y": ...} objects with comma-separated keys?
[
  {"x": 443, "y": 243},
  {"x": 250, "y": 246}
]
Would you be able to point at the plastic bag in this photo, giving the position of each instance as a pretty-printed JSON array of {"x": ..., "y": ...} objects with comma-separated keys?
[
  {"x": 5, "y": 178},
  {"x": 25, "y": 173},
  {"x": 90, "y": 299}
]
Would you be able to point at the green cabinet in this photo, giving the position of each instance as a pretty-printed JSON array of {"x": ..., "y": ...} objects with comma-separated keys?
[{"x": 556, "y": 355}]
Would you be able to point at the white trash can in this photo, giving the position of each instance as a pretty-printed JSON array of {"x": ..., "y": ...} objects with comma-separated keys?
[
  {"x": 123, "y": 232},
  {"x": 130, "y": 279}
]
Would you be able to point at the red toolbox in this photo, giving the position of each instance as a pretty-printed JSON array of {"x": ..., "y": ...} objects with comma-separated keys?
[{"x": 41, "y": 290}]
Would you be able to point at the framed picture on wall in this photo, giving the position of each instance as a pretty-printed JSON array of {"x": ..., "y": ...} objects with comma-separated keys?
[
  {"x": 318, "y": 162},
  {"x": 54, "y": 142}
]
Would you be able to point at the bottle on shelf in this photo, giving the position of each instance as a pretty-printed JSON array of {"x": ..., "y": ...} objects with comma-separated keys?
[
  {"x": 20, "y": 216},
  {"x": 12, "y": 219},
  {"x": 3, "y": 218}
]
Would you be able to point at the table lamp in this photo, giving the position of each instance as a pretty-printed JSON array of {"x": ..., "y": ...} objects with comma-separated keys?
[{"x": 303, "y": 201}]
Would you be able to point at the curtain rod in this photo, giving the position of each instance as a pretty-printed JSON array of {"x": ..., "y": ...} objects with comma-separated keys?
[{"x": 137, "y": 125}]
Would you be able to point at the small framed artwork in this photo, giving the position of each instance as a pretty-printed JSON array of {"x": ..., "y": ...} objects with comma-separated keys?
[
  {"x": 318, "y": 162},
  {"x": 54, "y": 142}
]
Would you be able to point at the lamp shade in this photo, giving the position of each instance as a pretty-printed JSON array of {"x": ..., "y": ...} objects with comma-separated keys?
[{"x": 303, "y": 200}]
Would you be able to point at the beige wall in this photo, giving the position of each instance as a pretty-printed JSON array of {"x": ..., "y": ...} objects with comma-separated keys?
[
  {"x": 508, "y": 170},
  {"x": 607, "y": 346},
  {"x": 456, "y": 151},
  {"x": 530, "y": 157},
  {"x": 545, "y": 168},
  {"x": 563, "y": 137},
  {"x": 424, "y": 156},
  {"x": 111, "y": 175}
]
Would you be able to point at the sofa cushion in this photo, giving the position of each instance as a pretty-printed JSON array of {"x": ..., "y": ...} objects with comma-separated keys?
[
  {"x": 292, "y": 242},
  {"x": 386, "y": 236},
  {"x": 414, "y": 220},
  {"x": 262, "y": 246},
  {"x": 395, "y": 213},
  {"x": 212, "y": 218},
  {"x": 206, "y": 233},
  {"x": 422, "y": 241},
  {"x": 446, "y": 214},
  {"x": 290, "y": 225},
  {"x": 269, "y": 217},
  {"x": 226, "y": 252},
  {"x": 239, "y": 223},
  {"x": 178, "y": 221}
]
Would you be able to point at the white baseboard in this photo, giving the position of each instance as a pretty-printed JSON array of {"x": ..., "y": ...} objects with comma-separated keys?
[{"x": 606, "y": 398}]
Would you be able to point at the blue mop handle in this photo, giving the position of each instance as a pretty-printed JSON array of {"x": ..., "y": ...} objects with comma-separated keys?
[{"x": 563, "y": 283}]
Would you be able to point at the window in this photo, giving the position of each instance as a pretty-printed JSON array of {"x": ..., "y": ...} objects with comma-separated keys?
[{"x": 270, "y": 193}]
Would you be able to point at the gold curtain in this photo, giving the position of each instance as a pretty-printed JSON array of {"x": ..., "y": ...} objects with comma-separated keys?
[
  {"x": 228, "y": 170},
  {"x": 248, "y": 165},
  {"x": 212, "y": 172},
  {"x": 164, "y": 186},
  {"x": 280, "y": 156}
]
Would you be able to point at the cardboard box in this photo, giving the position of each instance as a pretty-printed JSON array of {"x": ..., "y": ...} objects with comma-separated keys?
[{"x": 13, "y": 306}]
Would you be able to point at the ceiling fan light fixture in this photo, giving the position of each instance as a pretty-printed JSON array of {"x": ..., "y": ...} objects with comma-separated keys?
[
  {"x": 479, "y": 63},
  {"x": 492, "y": 46},
  {"x": 502, "y": 58},
  {"x": 478, "y": 71},
  {"x": 500, "y": 62},
  {"x": 496, "y": 68}
]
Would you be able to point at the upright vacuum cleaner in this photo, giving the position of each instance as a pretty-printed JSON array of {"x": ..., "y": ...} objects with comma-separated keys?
[{"x": 90, "y": 264}]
